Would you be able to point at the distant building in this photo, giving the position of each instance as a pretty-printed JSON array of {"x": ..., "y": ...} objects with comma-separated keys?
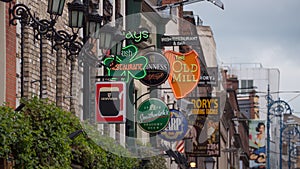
[{"x": 254, "y": 78}]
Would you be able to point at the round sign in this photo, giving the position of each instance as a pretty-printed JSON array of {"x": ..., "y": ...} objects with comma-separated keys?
[
  {"x": 177, "y": 127},
  {"x": 157, "y": 69},
  {"x": 153, "y": 115}
]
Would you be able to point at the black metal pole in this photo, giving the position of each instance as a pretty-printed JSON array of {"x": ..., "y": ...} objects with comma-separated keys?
[
  {"x": 280, "y": 142},
  {"x": 41, "y": 66},
  {"x": 86, "y": 74},
  {"x": 268, "y": 128},
  {"x": 71, "y": 85},
  {"x": 289, "y": 150},
  {"x": 22, "y": 60}
]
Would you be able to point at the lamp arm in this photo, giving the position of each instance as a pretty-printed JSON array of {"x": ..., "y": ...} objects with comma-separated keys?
[
  {"x": 63, "y": 38},
  {"x": 20, "y": 12},
  {"x": 74, "y": 49},
  {"x": 23, "y": 13}
]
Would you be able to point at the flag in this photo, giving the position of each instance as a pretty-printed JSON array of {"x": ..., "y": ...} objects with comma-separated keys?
[{"x": 180, "y": 146}]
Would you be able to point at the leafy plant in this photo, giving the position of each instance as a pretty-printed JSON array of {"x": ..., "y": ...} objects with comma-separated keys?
[{"x": 37, "y": 137}]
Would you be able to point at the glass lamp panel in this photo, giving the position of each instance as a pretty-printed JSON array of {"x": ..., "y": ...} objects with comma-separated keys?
[
  {"x": 50, "y": 5},
  {"x": 98, "y": 26},
  {"x": 119, "y": 48},
  {"x": 92, "y": 27},
  {"x": 74, "y": 19},
  {"x": 102, "y": 40},
  {"x": 54, "y": 8},
  {"x": 80, "y": 19},
  {"x": 107, "y": 40},
  {"x": 61, "y": 7}
]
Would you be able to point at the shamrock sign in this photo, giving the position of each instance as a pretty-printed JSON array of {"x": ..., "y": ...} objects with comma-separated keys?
[{"x": 128, "y": 64}]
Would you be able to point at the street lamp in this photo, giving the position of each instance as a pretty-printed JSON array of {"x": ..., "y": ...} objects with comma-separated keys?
[
  {"x": 76, "y": 12},
  {"x": 193, "y": 164},
  {"x": 209, "y": 163},
  {"x": 55, "y": 7},
  {"x": 106, "y": 34},
  {"x": 292, "y": 130},
  {"x": 278, "y": 108},
  {"x": 93, "y": 23},
  {"x": 117, "y": 43}
]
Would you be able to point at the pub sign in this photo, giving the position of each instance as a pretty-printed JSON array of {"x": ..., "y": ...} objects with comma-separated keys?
[{"x": 110, "y": 102}]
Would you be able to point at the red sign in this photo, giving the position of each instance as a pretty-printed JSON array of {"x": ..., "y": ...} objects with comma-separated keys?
[
  {"x": 110, "y": 102},
  {"x": 185, "y": 72}
]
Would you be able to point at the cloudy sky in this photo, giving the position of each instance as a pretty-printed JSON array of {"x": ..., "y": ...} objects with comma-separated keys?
[{"x": 258, "y": 31}]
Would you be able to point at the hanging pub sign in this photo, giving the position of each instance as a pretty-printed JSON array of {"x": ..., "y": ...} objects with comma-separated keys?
[
  {"x": 129, "y": 65},
  {"x": 177, "y": 127},
  {"x": 205, "y": 138},
  {"x": 257, "y": 144},
  {"x": 205, "y": 105},
  {"x": 178, "y": 40},
  {"x": 209, "y": 77},
  {"x": 157, "y": 69},
  {"x": 137, "y": 36},
  {"x": 110, "y": 102},
  {"x": 205, "y": 119},
  {"x": 184, "y": 72},
  {"x": 153, "y": 115}
]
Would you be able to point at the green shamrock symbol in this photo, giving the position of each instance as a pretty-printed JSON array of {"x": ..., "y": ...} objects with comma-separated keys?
[{"x": 127, "y": 65}]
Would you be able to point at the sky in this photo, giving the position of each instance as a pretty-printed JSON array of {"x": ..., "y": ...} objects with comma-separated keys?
[{"x": 258, "y": 31}]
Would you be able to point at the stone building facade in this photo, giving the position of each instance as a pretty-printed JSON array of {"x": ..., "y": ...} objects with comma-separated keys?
[{"x": 40, "y": 57}]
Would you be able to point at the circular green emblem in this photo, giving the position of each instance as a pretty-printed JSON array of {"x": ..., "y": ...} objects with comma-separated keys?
[{"x": 153, "y": 115}]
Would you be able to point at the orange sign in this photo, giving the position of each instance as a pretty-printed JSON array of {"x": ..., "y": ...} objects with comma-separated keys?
[{"x": 185, "y": 72}]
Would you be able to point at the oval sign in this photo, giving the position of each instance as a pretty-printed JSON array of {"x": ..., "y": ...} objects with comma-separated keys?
[
  {"x": 153, "y": 115},
  {"x": 157, "y": 69},
  {"x": 177, "y": 127}
]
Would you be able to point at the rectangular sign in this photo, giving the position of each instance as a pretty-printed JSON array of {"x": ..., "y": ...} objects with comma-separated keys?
[
  {"x": 209, "y": 78},
  {"x": 205, "y": 105},
  {"x": 257, "y": 144},
  {"x": 110, "y": 102},
  {"x": 205, "y": 118},
  {"x": 178, "y": 40}
]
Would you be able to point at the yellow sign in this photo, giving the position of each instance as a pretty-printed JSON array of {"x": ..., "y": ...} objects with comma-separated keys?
[{"x": 205, "y": 105}]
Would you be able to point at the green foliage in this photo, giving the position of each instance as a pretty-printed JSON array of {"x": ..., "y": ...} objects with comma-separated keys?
[
  {"x": 157, "y": 162},
  {"x": 10, "y": 122},
  {"x": 109, "y": 153},
  {"x": 37, "y": 137},
  {"x": 47, "y": 142},
  {"x": 152, "y": 159}
]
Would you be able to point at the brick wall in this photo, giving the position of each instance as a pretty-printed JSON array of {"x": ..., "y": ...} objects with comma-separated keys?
[
  {"x": 10, "y": 61},
  {"x": 56, "y": 67}
]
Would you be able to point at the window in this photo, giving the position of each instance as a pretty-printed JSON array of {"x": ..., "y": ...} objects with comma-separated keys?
[{"x": 246, "y": 86}]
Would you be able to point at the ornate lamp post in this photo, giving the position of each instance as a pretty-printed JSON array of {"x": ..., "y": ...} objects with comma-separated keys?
[
  {"x": 276, "y": 108},
  {"x": 292, "y": 130}
]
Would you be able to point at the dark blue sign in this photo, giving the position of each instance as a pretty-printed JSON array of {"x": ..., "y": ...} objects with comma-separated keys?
[{"x": 176, "y": 128}]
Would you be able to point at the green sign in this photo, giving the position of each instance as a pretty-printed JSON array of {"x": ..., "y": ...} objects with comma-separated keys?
[
  {"x": 137, "y": 36},
  {"x": 153, "y": 115},
  {"x": 128, "y": 65}
]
